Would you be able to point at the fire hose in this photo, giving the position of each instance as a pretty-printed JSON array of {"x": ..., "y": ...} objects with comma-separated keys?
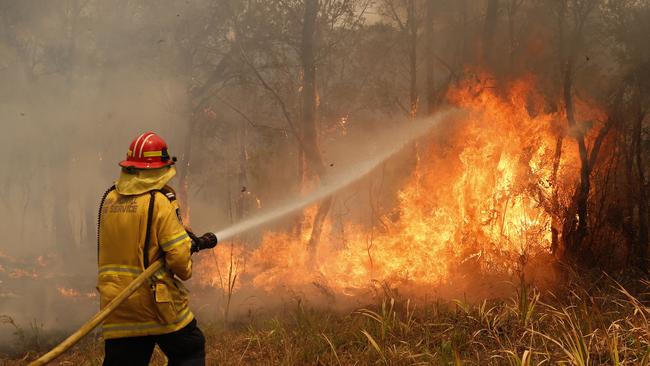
[{"x": 100, "y": 316}]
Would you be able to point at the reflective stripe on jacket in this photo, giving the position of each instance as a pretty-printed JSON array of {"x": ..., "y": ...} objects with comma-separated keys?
[{"x": 160, "y": 306}]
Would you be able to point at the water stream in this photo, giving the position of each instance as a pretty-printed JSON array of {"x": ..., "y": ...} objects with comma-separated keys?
[{"x": 391, "y": 143}]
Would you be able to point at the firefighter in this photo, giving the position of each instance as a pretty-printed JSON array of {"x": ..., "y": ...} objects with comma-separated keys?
[{"x": 139, "y": 222}]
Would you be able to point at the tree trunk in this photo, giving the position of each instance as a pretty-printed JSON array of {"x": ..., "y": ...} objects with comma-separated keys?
[
  {"x": 555, "y": 205},
  {"x": 576, "y": 233},
  {"x": 311, "y": 148},
  {"x": 242, "y": 205},
  {"x": 428, "y": 34},
  {"x": 309, "y": 129},
  {"x": 575, "y": 224},
  {"x": 184, "y": 170},
  {"x": 513, "y": 6},
  {"x": 640, "y": 252},
  {"x": 412, "y": 30},
  {"x": 491, "y": 17},
  {"x": 463, "y": 35},
  {"x": 63, "y": 237}
]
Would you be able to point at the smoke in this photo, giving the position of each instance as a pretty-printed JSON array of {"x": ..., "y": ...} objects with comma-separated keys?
[
  {"x": 82, "y": 78},
  {"x": 79, "y": 82}
]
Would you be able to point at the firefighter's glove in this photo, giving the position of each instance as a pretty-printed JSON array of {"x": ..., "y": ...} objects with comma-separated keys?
[{"x": 206, "y": 241}]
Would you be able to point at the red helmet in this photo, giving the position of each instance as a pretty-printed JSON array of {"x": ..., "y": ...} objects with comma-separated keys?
[{"x": 147, "y": 151}]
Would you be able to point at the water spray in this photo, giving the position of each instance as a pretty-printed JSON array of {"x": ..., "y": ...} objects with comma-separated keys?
[{"x": 334, "y": 183}]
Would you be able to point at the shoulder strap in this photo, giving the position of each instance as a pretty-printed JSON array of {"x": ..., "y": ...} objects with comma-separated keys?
[
  {"x": 169, "y": 193},
  {"x": 99, "y": 215},
  {"x": 147, "y": 238}
]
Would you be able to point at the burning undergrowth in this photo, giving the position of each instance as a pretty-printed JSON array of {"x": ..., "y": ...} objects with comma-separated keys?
[
  {"x": 41, "y": 297},
  {"x": 474, "y": 214},
  {"x": 480, "y": 202}
]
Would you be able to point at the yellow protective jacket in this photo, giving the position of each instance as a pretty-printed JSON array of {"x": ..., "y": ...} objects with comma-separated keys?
[{"x": 161, "y": 305}]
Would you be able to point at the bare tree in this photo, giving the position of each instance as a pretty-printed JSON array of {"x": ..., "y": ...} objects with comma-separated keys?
[
  {"x": 489, "y": 29},
  {"x": 576, "y": 223},
  {"x": 429, "y": 56},
  {"x": 408, "y": 24},
  {"x": 512, "y": 8}
]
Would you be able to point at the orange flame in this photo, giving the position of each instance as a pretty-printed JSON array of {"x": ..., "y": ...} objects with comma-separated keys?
[
  {"x": 68, "y": 292},
  {"x": 72, "y": 293},
  {"x": 477, "y": 201}
]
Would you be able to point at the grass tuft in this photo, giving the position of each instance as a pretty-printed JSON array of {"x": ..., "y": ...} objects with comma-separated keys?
[{"x": 604, "y": 323}]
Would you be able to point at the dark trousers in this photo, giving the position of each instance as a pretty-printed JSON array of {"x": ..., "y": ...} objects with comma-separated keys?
[{"x": 184, "y": 347}]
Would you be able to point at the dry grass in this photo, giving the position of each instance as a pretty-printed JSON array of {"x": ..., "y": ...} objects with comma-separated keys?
[{"x": 599, "y": 324}]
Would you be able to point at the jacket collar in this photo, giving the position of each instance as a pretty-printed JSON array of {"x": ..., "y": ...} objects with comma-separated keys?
[{"x": 144, "y": 180}]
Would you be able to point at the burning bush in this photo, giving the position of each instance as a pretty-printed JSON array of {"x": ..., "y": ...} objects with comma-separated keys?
[{"x": 484, "y": 196}]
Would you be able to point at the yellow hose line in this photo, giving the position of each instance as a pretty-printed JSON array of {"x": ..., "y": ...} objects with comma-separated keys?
[{"x": 99, "y": 317}]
